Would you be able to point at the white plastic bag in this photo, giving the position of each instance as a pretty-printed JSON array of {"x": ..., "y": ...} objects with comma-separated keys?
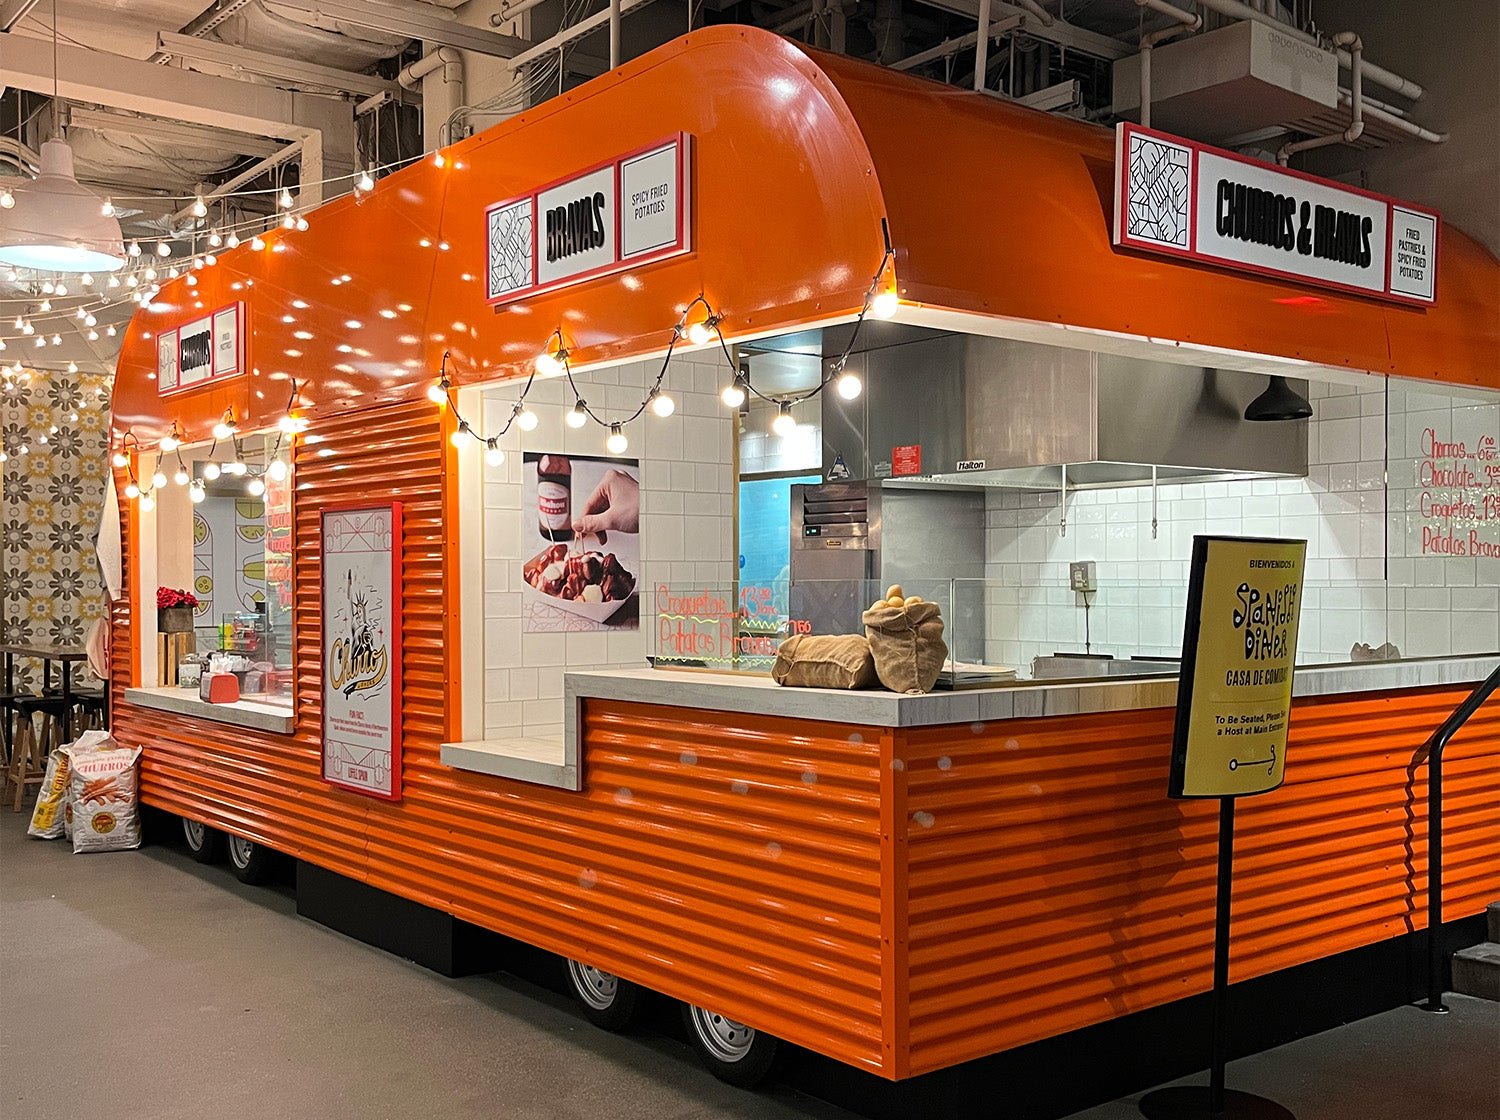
[{"x": 105, "y": 812}]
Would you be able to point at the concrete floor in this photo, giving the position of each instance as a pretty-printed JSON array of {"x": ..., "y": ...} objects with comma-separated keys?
[{"x": 143, "y": 985}]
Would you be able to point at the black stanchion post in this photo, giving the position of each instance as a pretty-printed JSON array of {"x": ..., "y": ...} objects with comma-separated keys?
[{"x": 1221, "y": 956}]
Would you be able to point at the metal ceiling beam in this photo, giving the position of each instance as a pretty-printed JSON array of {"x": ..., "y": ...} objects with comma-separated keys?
[
  {"x": 953, "y": 46},
  {"x": 173, "y": 132},
  {"x": 566, "y": 35},
  {"x": 1060, "y": 32},
  {"x": 223, "y": 190},
  {"x": 13, "y": 12},
  {"x": 164, "y": 91},
  {"x": 414, "y": 23},
  {"x": 270, "y": 65}
]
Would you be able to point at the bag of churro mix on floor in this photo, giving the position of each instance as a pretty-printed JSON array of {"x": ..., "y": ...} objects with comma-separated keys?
[
  {"x": 105, "y": 812},
  {"x": 47, "y": 817}
]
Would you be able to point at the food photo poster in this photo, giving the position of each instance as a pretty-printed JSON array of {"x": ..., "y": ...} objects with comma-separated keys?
[{"x": 581, "y": 543}]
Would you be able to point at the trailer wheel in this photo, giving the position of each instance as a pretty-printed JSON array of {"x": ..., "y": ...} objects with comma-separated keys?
[
  {"x": 251, "y": 861},
  {"x": 607, "y": 1001},
  {"x": 732, "y": 1051},
  {"x": 206, "y": 845}
]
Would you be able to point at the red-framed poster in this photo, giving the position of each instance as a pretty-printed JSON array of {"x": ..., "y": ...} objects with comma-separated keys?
[{"x": 361, "y": 644}]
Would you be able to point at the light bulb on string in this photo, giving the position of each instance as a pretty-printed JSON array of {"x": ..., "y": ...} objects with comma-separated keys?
[
  {"x": 216, "y": 239},
  {"x": 785, "y": 423},
  {"x": 132, "y": 491},
  {"x": 159, "y": 479},
  {"x": 849, "y": 385},
  {"x": 150, "y": 274},
  {"x": 289, "y": 222},
  {"x": 61, "y": 289},
  {"x": 200, "y": 208},
  {"x": 578, "y": 415},
  {"x": 237, "y": 467},
  {"x": 460, "y": 434},
  {"x": 226, "y": 426},
  {"x": 550, "y": 363},
  {"x": 492, "y": 453},
  {"x": 233, "y": 240},
  {"x": 526, "y": 420},
  {"x": 616, "y": 443},
  {"x": 211, "y": 470},
  {"x": 302, "y": 224},
  {"x": 48, "y": 287},
  {"x": 47, "y": 305},
  {"x": 181, "y": 477},
  {"x": 113, "y": 281},
  {"x": 119, "y": 459},
  {"x": 148, "y": 503},
  {"x": 285, "y": 199},
  {"x": 197, "y": 493},
  {"x": 885, "y": 304},
  {"x": 256, "y": 486},
  {"x": 702, "y": 333},
  {"x": 89, "y": 320},
  {"x": 107, "y": 208},
  {"x": 135, "y": 249},
  {"x": 257, "y": 242},
  {"x": 7, "y": 200},
  {"x": 734, "y": 393},
  {"x": 210, "y": 259},
  {"x": 437, "y": 392},
  {"x": 277, "y": 471},
  {"x": 170, "y": 442},
  {"x": 662, "y": 404},
  {"x": 163, "y": 249},
  {"x": 365, "y": 182},
  {"x": 86, "y": 279}
]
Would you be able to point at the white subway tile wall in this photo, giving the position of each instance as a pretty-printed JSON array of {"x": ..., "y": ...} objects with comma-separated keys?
[
  {"x": 1368, "y": 577},
  {"x": 687, "y": 524}
]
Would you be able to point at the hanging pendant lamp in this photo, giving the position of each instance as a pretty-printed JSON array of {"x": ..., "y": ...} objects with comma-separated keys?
[
  {"x": 57, "y": 224},
  {"x": 1279, "y": 402}
]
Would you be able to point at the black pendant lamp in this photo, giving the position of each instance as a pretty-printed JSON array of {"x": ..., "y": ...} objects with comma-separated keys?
[{"x": 1279, "y": 402}]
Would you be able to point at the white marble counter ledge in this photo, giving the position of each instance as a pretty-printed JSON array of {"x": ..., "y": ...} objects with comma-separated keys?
[
  {"x": 545, "y": 762},
  {"x": 874, "y": 708},
  {"x": 257, "y": 714}
]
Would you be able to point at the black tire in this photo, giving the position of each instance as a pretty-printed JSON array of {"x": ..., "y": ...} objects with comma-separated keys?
[
  {"x": 607, "y": 1001},
  {"x": 251, "y": 861},
  {"x": 204, "y": 844},
  {"x": 732, "y": 1051}
]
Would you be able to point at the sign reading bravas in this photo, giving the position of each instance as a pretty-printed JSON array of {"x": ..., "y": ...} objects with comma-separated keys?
[
  {"x": 1179, "y": 198},
  {"x": 1239, "y": 644},
  {"x": 630, "y": 211}
]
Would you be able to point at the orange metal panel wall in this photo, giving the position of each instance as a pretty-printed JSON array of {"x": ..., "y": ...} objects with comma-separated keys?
[{"x": 1053, "y": 884}]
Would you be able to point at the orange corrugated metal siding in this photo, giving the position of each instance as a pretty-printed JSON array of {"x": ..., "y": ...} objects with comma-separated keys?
[{"x": 1052, "y": 884}]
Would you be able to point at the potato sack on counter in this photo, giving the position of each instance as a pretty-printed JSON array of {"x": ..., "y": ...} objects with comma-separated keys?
[
  {"x": 906, "y": 641},
  {"x": 825, "y": 661}
]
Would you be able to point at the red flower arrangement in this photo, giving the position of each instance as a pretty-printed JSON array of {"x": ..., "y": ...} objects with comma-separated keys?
[{"x": 169, "y": 597}]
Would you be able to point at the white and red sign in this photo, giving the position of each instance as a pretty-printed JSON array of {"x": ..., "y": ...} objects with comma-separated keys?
[
  {"x": 1183, "y": 199},
  {"x": 207, "y": 349},
  {"x": 627, "y": 212},
  {"x": 362, "y": 649}
]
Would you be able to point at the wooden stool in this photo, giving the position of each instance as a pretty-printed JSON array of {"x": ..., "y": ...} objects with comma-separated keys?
[{"x": 29, "y": 751}]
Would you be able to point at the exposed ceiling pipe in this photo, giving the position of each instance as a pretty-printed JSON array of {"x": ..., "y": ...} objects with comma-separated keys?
[
  {"x": 982, "y": 47},
  {"x": 1037, "y": 10},
  {"x": 614, "y": 33},
  {"x": 1374, "y": 113},
  {"x": 1186, "y": 21},
  {"x": 509, "y": 11},
  {"x": 1377, "y": 74},
  {"x": 26, "y": 159},
  {"x": 1356, "y": 127},
  {"x": 952, "y": 46},
  {"x": 568, "y": 34},
  {"x": 223, "y": 190},
  {"x": 438, "y": 101}
]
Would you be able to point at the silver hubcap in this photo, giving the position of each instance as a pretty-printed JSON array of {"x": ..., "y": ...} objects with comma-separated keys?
[
  {"x": 240, "y": 850},
  {"x": 724, "y": 1038},
  {"x": 196, "y": 834},
  {"x": 594, "y": 986}
]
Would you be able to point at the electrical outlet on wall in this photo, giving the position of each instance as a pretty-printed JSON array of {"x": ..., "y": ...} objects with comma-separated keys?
[{"x": 1081, "y": 576}]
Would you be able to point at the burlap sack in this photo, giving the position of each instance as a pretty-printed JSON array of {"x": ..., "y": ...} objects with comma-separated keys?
[
  {"x": 907, "y": 644},
  {"x": 824, "y": 661}
]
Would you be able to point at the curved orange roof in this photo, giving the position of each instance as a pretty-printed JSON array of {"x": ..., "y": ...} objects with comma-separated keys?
[{"x": 995, "y": 211}]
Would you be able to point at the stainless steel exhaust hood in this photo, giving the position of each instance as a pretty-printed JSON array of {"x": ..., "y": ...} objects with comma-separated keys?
[{"x": 997, "y": 412}]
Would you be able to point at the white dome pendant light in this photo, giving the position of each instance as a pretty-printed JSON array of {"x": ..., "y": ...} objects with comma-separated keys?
[{"x": 56, "y": 224}]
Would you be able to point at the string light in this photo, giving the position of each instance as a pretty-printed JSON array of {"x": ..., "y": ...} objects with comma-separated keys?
[
  {"x": 526, "y": 420},
  {"x": 277, "y": 471},
  {"x": 578, "y": 415},
  {"x": 135, "y": 249},
  {"x": 200, "y": 208},
  {"x": 132, "y": 491},
  {"x": 181, "y": 477},
  {"x": 257, "y": 243},
  {"x": 7, "y": 200},
  {"x": 197, "y": 493},
  {"x": 616, "y": 443},
  {"x": 661, "y": 404},
  {"x": 365, "y": 182},
  {"x": 226, "y": 425},
  {"x": 492, "y": 453},
  {"x": 163, "y": 249},
  {"x": 785, "y": 423},
  {"x": 285, "y": 199},
  {"x": 734, "y": 393},
  {"x": 849, "y": 385},
  {"x": 256, "y": 486},
  {"x": 173, "y": 439},
  {"x": 702, "y": 333},
  {"x": 148, "y": 503},
  {"x": 211, "y": 470},
  {"x": 457, "y": 438},
  {"x": 216, "y": 239}
]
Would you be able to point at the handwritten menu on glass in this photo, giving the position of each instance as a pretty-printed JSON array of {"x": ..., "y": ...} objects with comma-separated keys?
[
  {"x": 1458, "y": 485},
  {"x": 711, "y": 627}
]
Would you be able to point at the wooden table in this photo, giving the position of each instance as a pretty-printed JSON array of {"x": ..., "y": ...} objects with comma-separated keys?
[{"x": 65, "y": 655}]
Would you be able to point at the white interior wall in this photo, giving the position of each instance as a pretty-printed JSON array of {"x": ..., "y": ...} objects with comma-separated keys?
[
  {"x": 687, "y": 526},
  {"x": 1425, "y": 603}
]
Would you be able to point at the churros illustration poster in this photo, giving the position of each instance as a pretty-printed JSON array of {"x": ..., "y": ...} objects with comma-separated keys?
[{"x": 362, "y": 649}]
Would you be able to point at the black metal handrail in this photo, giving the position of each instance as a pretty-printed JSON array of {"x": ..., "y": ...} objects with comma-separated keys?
[{"x": 1434, "y": 748}]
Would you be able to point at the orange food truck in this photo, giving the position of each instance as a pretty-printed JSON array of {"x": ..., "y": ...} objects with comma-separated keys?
[{"x": 902, "y": 883}]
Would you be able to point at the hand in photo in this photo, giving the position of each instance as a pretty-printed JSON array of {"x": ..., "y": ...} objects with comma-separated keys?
[{"x": 614, "y": 504}]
